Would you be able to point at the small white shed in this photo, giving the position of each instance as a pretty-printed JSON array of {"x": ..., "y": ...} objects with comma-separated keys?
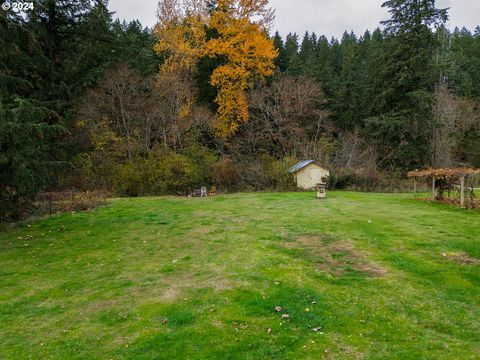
[{"x": 308, "y": 173}]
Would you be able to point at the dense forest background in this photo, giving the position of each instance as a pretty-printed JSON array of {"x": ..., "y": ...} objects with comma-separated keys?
[{"x": 83, "y": 105}]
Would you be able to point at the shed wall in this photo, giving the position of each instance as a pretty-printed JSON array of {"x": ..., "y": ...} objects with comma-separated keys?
[{"x": 310, "y": 176}]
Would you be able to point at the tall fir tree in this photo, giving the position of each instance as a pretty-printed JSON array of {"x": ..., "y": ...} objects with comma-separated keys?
[
  {"x": 281, "y": 62},
  {"x": 323, "y": 71},
  {"x": 405, "y": 82},
  {"x": 291, "y": 53},
  {"x": 347, "y": 97},
  {"x": 29, "y": 131},
  {"x": 307, "y": 54}
]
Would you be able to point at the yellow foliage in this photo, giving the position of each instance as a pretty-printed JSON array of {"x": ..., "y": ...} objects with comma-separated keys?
[
  {"x": 80, "y": 124},
  {"x": 184, "y": 111},
  {"x": 249, "y": 54},
  {"x": 180, "y": 33},
  {"x": 181, "y": 38},
  {"x": 102, "y": 135},
  {"x": 241, "y": 26}
]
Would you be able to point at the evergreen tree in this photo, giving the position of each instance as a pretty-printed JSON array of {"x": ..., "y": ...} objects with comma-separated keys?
[
  {"x": 307, "y": 54},
  {"x": 29, "y": 131},
  {"x": 281, "y": 62},
  {"x": 405, "y": 82},
  {"x": 134, "y": 45},
  {"x": 464, "y": 79},
  {"x": 323, "y": 71},
  {"x": 291, "y": 53},
  {"x": 371, "y": 47},
  {"x": 55, "y": 24},
  {"x": 88, "y": 53},
  {"x": 28, "y": 159},
  {"x": 346, "y": 105}
]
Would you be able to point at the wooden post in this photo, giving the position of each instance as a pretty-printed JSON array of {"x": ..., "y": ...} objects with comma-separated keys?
[
  {"x": 415, "y": 187},
  {"x": 433, "y": 189},
  {"x": 462, "y": 191}
]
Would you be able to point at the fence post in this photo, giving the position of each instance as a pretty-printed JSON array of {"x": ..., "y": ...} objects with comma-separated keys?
[
  {"x": 415, "y": 187},
  {"x": 434, "y": 197}
]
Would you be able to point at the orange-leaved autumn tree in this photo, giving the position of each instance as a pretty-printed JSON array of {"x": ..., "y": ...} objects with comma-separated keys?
[
  {"x": 181, "y": 40},
  {"x": 181, "y": 34},
  {"x": 240, "y": 41},
  {"x": 249, "y": 54}
]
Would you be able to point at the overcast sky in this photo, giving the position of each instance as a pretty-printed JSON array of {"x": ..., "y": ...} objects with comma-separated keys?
[{"x": 324, "y": 17}]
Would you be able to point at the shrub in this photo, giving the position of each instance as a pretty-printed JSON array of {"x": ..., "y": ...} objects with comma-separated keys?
[
  {"x": 155, "y": 175},
  {"x": 131, "y": 178},
  {"x": 162, "y": 173},
  {"x": 176, "y": 174},
  {"x": 224, "y": 173},
  {"x": 202, "y": 160},
  {"x": 343, "y": 180},
  {"x": 64, "y": 201},
  {"x": 346, "y": 179},
  {"x": 158, "y": 172},
  {"x": 276, "y": 175}
]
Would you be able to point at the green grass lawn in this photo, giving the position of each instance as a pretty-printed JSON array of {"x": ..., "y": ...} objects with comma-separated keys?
[{"x": 369, "y": 276}]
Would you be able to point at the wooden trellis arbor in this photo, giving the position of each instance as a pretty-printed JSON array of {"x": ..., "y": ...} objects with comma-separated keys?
[{"x": 447, "y": 175}]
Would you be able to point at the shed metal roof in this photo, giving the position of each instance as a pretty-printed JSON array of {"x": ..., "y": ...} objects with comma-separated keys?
[{"x": 297, "y": 167}]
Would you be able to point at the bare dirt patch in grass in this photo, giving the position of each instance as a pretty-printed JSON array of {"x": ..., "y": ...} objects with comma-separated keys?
[
  {"x": 335, "y": 257},
  {"x": 101, "y": 305},
  {"x": 461, "y": 258},
  {"x": 176, "y": 291},
  {"x": 199, "y": 231},
  {"x": 170, "y": 294}
]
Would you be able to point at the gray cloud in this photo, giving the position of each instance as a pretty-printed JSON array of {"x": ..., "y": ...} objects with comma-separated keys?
[
  {"x": 327, "y": 17},
  {"x": 324, "y": 17}
]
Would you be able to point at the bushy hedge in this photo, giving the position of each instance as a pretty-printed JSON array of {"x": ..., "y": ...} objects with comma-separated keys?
[
  {"x": 164, "y": 173},
  {"x": 266, "y": 173},
  {"x": 345, "y": 179},
  {"x": 157, "y": 173},
  {"x": 225, "y": 174},
  {"x": 169, "y": 173},
  {"x": 65, "y": 201}
]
